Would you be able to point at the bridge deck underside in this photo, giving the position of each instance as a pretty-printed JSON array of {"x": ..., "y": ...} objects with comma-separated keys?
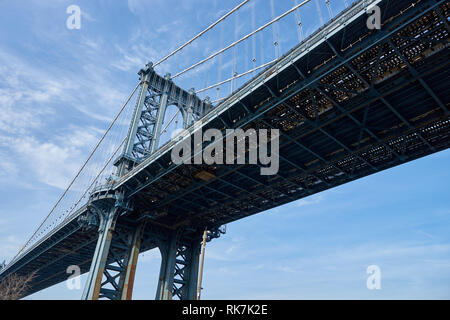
[
  {"x": 360, "y": 102},
  {"x": 73, "y": 246}
]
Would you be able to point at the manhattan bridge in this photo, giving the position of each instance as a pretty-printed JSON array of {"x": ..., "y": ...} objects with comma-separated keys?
[{"x": 349, "y": 100}]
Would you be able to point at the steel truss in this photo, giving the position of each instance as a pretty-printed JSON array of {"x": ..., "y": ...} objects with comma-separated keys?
[
  {"x": 179, "y": 267},
  {"x": 115, "y": 258},
  {"x": 113, "y": 266},
  {"x": 155, "y": 96},
  {"x": 350, "y": 87}
]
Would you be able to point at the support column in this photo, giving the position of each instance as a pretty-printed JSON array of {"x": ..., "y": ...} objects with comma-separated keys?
[
  {"x": 187, "y": 121},
  {"x": 128, "y": 148},
  {"x": 165, "y": 282},
  {"x": 94, "y": 280},
  {"x": 161, "y": 114},
  {"x": 189, "y": 117},
  {"x": 113, "y": 266},
  {"x": 126, "y": 282},
  {"x": 179, "y": 268},
  {"x": 137, "y": 113}
]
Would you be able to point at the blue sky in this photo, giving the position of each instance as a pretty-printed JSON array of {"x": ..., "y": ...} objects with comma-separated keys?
[{"x": 59, "y": 89}]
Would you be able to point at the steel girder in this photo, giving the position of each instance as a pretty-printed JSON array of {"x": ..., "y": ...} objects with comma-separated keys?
[
  {"x": 156, "y": 95},
  {"x": 179, "y": 266},
  {"x": 114, "y": 260},
  {"x": 120, "y": 237},
  {"x": 358, "y": 101}
]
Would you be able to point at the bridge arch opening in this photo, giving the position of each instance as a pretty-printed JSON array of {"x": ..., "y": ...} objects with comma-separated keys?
[{"x": 147, "y": 274}]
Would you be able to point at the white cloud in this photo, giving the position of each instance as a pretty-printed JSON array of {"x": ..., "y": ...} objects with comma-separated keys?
[
  {"x": 150, "y": 256},
  {"x": 10, "y": 246},
  {"x": 134, "y": 5},
  {"x": 28, "y": 94},
  {"x": 314, "y": 199},
  {"x": 22, "y": 89},
  {"x": 8, "y": 168},
  {"x": 136, "y": 56},
  {"x": 142, "y": 7},
  {"x": 56, "y": 162},
  {"x": 31, "y": 98},
  {"x": 408, "y": 270},
  {"x": 53, "y": 162}
]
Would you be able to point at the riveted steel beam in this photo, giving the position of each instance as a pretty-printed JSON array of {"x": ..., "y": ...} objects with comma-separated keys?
[{"x": 179, "y": 267}]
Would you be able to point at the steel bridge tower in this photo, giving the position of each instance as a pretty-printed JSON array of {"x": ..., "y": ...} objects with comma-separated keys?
[{"x": 110, "y": 275}]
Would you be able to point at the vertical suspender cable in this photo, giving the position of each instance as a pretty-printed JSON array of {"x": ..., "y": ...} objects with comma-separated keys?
[
  {"x": 275, "y": 29},
  {"x": 319, "y": 12},
  {"x": 219, "y": 71},
  {"x": 247, "y": 55},
  {"x": 253, "y": 38},
  {"x": 299, "y": 23},
  {"x": 261, "y": 50},
  {"x": 330, "y": 12},
  {"x": 233, "y": 68}
]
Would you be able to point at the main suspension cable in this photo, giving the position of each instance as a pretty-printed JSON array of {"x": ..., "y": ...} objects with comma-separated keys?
[
  {"x": 98, "y": 175},
  {"x": 235, "y": 77},
  {"x": 240, "y": 40},
  {"x": 170, "y": 121},
  {"x": 201, "y": 33}
]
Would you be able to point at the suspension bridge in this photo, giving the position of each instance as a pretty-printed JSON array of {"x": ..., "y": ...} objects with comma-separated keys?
[{"x": 349, "y": 101}]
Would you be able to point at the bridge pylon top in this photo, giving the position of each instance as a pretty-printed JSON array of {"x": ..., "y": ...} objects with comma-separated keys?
[{"x": 156, "y": 94}]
